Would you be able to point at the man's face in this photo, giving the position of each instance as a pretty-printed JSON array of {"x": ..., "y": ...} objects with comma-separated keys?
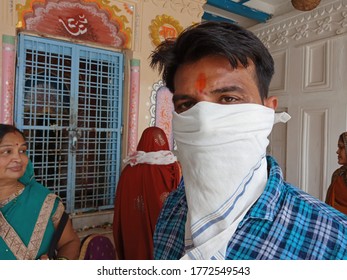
[{"x": 212, "y": 79}]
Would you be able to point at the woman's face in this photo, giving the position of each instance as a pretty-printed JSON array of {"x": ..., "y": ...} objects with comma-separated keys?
[
  {"x": 341, "y": 153},
  {"x": 13, "y": 157}
]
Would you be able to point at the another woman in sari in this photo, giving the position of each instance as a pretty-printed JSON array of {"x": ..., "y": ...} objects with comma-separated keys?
[
  {"x": 337, "y": 191},
  {"x": 151, "y": 173},
  {"x": 29, "y": 212}
]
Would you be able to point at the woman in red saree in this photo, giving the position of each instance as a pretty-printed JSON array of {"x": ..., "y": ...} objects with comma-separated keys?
[
  {"x": 337, "y": 191},
  {"x": 151, "y": 173}
]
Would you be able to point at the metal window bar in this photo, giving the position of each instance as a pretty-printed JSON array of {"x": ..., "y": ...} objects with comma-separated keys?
[{"x": 69, "y": 104}]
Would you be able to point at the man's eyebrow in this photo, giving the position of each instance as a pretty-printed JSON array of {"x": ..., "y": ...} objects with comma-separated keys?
[
  {"x": 177, "y": 97},
  {"x": 226, "y": 89}
]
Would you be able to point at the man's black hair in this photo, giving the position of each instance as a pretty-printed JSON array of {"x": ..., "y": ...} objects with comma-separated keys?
[{"x": 229, "y": 40}]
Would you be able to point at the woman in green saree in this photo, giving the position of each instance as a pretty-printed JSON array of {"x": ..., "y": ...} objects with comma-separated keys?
[{"x": 29, "y": 212}]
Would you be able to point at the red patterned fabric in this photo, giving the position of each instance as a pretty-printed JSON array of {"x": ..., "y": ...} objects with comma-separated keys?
[{"x": 141, "y": 192}]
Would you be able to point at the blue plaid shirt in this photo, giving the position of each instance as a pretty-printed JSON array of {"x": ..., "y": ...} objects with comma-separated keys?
[{"x": 285, "y": 223}]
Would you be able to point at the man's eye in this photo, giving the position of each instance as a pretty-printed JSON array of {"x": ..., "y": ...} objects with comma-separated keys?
[
  {"x": 184, "y": 106},
  {"x": 229, "y": 99}
]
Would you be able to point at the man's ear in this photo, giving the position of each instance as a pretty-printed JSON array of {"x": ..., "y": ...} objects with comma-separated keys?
[{"x": 271, "y": 102}]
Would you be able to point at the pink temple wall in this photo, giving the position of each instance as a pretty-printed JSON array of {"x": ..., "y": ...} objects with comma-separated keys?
[
  {"x": 133, "y": 105},
  {"x": 8, "y": 77}
]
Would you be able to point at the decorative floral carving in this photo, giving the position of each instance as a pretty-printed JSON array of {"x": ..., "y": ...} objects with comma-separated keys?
[
  {"x": 94, "y": 21},
  {"x": 161, "y": 110},
  {"x": 163, "y": 27},
  {"x": 192, "y": 7},
  {"x": 301, "y": 32},
  {"x": 329, "y": 19},
  {"x": 153, "y": 98},
  {"x": 266, "y": 40},
  {"x": 343, "y": 24},
  {"x": 281, "y": 38},
  {"x": 323, "y": 25},
  {"x": 129, "y": 8}
]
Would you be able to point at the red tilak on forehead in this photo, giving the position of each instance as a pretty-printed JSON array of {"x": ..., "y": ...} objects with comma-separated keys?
[{"x": 200, "y": 83}]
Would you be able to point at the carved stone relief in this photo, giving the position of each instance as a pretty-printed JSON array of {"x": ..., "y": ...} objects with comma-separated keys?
[
  {"x": 325, "y": 21},
  {"x": 192, "y": 7}
]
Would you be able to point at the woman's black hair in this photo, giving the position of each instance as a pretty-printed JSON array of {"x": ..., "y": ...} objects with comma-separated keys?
[{"x": 7, "y": 128}]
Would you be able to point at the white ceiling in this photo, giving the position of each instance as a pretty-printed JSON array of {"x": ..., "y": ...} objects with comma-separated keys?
[{"x": 273, "y": 7}]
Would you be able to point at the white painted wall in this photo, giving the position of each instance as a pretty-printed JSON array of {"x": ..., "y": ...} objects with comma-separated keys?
[{"x": 310, "y": 56}]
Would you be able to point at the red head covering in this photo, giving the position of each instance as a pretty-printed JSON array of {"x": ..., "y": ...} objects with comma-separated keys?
[
  {"x": 141, "y": 192},
  {"x": 153, "y": 139}
]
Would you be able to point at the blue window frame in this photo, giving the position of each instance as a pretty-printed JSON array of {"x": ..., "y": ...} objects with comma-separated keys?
[{"x": 68, "y": 102}]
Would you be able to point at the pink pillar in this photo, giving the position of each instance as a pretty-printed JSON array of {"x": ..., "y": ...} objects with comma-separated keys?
[
  {"x": 8, "y": 78},
  {"x": 133, "y": 105}
]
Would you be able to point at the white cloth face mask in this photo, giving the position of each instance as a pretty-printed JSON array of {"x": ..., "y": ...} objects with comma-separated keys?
[{"x": 222, "y": 150}]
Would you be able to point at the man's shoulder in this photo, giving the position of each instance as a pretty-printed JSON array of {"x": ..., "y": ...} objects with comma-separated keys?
[
  {"x": 169, "y": 231},
  {"x": 317, "y": 206},
  {"x": 297, "y": 202},
  {"x": 311, "y": 217},
  {"x": 285, "y": 214},
  {"x": 176, "y": 201}
]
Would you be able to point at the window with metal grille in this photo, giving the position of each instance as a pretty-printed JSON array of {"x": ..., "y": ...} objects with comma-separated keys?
[{"x": 69, "y": 105}]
